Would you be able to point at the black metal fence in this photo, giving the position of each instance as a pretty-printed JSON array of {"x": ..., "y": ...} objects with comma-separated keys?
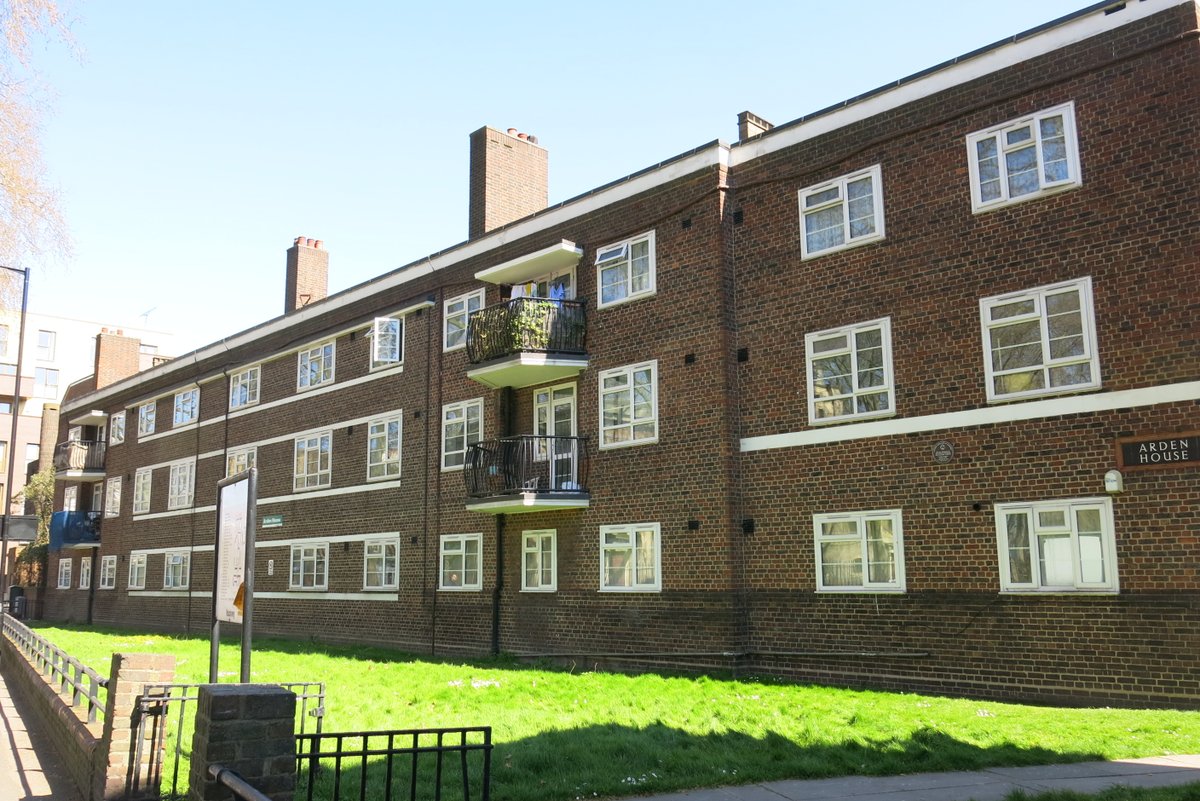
[
  {"x": 405, "y": 763},
  {"x": 74, "y": 680},
  {"x": 163, "y": 722},
  {"x": 522, "y": 325},
  {"x": 526, "y": 463}
]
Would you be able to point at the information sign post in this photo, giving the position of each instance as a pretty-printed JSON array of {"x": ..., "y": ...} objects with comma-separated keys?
[{"x": 233, "y": 576}]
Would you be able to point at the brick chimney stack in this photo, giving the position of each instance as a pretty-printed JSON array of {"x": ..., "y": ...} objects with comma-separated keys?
[
  {"x": 751, "y": 125},
  {"x": 307, "y": 274},
  {"x": 49, "y": 434},
  {"x": 509, "y": 179},
  {"x": 117, "y": 357}
]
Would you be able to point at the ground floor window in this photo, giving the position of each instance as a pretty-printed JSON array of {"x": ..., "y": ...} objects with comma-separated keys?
[
  {"x": 310, "y": 567},
  {"x": 137, "y": 571},
  {"x": 459, "y": 557},
  {"x": 64, "y": 574},
  {"x": 380, "y": 565},
  {"x": 1057, "y": 546},
  {"x": 539, "y": 573},
  {"x": 108, "y": 572},
  {"x": 177, "y": 570},
  {"x": 85, "y": 573},
  {"x": 859, "y": 551},
  {"x": 630, "y": 558}
]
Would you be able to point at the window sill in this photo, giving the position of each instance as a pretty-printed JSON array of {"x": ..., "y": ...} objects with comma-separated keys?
[
  {"x": 1076, "y": 389},
  {"x": 992, "y": 205},
  {"x": 866, "y": 240},
  {"x": 628, "y": 299},
  {"x": 1060, "y": 591},
  {"x": 616, "y": 446},
  {"x": 824, "y": 422},
  {"x": 861, "y": 591}
]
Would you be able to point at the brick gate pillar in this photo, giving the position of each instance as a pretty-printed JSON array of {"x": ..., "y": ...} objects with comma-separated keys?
[
  {"x": 249, "y": 729},
  {"x": 115, "y": 751}
]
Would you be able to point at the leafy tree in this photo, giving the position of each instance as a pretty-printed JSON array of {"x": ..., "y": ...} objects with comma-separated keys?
[{"x": 39, "y": 493}]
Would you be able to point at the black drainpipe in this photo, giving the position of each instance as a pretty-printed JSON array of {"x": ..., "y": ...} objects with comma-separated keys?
[{"x": 498, "y": 591}]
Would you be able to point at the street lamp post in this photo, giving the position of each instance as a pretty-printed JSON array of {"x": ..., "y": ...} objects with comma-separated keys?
[{"x": 12, "y": 442}]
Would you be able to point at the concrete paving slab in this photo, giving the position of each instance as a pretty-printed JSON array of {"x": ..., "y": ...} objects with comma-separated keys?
[{"x": 29, "y": 770}]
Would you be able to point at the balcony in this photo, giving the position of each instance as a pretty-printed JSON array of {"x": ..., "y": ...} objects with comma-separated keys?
[
  {"x": 526, "y": 341},
  {"x": 74, "y": 530},
  {"x": 527, "y": 474},
  {"x": 79, "y": 460}
]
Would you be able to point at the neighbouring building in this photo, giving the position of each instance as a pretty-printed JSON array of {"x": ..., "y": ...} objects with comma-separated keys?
[{"x": 904, "y": 393}]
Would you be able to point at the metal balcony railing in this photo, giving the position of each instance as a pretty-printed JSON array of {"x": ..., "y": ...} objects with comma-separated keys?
[
  {"x": 79, "y": 455},
  {"x": 526, "y": 325},
  {"x": 526, "y": 463},
  {"x": 74, "y": 528}
]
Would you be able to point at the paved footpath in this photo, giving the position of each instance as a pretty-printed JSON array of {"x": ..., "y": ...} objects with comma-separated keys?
[
  {"x": 29, "y": 768},
  {"x": 993, "y": 784}
]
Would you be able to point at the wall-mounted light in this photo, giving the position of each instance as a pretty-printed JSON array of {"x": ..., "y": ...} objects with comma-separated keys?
[{"x": 1114, "y": 482}]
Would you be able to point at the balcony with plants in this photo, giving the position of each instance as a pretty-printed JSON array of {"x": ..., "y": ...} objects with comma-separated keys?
[{"x": 526, "y": 341}]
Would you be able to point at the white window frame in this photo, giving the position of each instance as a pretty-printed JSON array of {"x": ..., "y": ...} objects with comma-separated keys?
[
  {"x": 181, "y": 489},
  {"x": 1037, "y": 296},
  {"x": 1036, "y": 530},
  {"x": 463, "y": 300},
  {"x": 85, "y": 573},
  {"x": 315, "y": 365},
  {"x": 146, "y": 414},
  {"x": 177, "y": 570},
  {"x": 533, "y": 546},
  {"x": 451, "y": 545},
  {"x": 628, "y": 372},
  {"x": 387, "y": 343},
  {"x": 322, "y": 473},
  {"x": 851, "y": 333},
  {"x": 187, "y": 407},
  {"x": 108, "y": 572},
  {"x": 112, "y": 496},
  {"x": 633, "y": 564},
  {"x": 245, "y": 387},
  {"x": 116, "y": 428},
  {"x": 97, "y": 496},
  {"x": 860, "y": 520},
  {"x": 137, "y": 571},
  {"x": 238, "y": 460},
  {"x": 380, "y": 465},
  {"x": 382, "y": 552},
  {"x": 619, "y": 256},
  {"x": 840, "y": 186},
  {"x": 70, "y": 499},
  {"x": 64, "y": 574},
  {"x": 143, "y": 481},
  {"x": 316, "y": 554},
  {"x": 46, "y": 341},
  {"x": 997, "y": 135},
  {"x": 464, "y": 408}
]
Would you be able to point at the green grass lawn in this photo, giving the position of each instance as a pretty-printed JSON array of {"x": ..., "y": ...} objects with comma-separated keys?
[{"x": 575, "y": 735}]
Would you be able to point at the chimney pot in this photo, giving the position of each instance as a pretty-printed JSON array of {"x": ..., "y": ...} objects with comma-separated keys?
[
  {"x": 512, "y": 131},
  {"x": 298, "y": 241},
  {"x": 532, "y": 139},
  {"x": 317, "y": 244},
  {"x": 522, "y": 136}
]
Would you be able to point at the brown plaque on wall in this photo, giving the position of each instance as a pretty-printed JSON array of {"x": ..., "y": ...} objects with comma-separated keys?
[{"x": 1159, "y": 451}]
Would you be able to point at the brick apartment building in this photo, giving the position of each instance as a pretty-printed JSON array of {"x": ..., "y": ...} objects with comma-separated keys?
[{"x": 840, "y": 402}]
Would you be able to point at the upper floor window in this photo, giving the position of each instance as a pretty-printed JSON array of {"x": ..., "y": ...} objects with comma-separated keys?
[
  {"x": 239, "y": 460},
  {"x": 629, "y": 405},
  {"x": 860, "y": 551},
  {"x": 460, "y": 559},
  {"x": 842, "y": 213},
  {"x": 45, "y": 382},
  {"x": 116, "y": 428},
  {"x": 182, "y": 485},
  {"x": 137, "y": 571},
  {"x": 1041, "y": 341},
  {"x": 45, "y": 345},
  {"x": 146, "y": 419},
  {"x": 177, "y": 570},
  {"x": 625, "y": 270},
  {"x": 108, "y": 572},
  {"x": 630, "y": 558},
  {"x": 850, "y": 372},
  {"x": 243, "y": 388},
  {"x": 462, "y": 425},
  {"x": 457, "y": 310},
  {"x": 1057, "y": 546},
  {"x": 313, "y": 465},
  {"x": 1024, "y": 158},
  {"x": 70, "y": 497},
  {"x": 383, "y": 448},
  {"x": 187, "y": 406},
  {"x": 315, "y": 366},
  {"x": 380, "y": 565},
  {"x": 387, "y": 342},
  {"x": 112, "y": 497},
  {"x": 143, "y": 479}
]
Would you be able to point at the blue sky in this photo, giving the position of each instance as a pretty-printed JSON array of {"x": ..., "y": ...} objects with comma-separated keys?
[{"x": 191, "y": 142}]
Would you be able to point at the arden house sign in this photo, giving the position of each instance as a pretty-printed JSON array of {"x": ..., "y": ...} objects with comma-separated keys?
[{"x": 1166, "y": 450}]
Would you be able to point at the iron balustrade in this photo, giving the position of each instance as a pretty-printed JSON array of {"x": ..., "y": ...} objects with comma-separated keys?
[
  {"x": 85, "y": 687},
  {"x": 383, "y": 764},
  {"x": 526, "y": 325},
  {"x": 78, "y": 454},
  {"x": 526, "y": 463},
  {"x": 74, "y": 528}
]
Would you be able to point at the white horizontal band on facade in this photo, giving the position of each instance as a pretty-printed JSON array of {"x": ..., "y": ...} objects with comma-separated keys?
[
  {"x": 193, "y": 510},
  {"x": 321, "y": 595},
  {"x": 1006, "y": 413},
  {"x": 376, "y": 537}
]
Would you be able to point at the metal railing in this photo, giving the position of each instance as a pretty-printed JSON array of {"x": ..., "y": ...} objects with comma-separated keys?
[
  {"x": 526, "y": 463},
  {"x": 86, "y": 689},
  {"x": 74, "y": 528},
  {"x": 153, "y": 715},
  {"x": 383, "y": 764},
  {"x": 77, "y": 454},
  {"x": 524, "y": 325}
]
